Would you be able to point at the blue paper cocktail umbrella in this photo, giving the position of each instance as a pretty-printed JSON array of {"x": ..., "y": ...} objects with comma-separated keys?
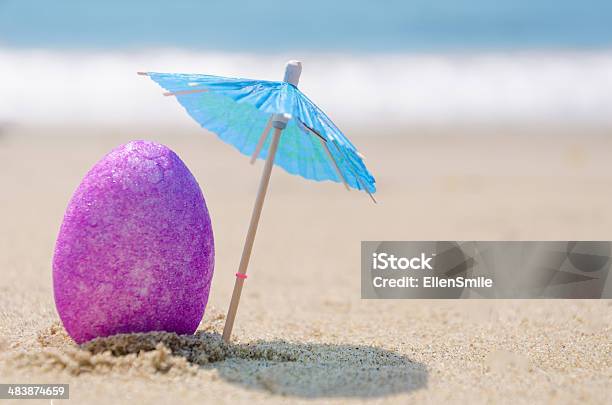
[{"x": 242, "y": 112}]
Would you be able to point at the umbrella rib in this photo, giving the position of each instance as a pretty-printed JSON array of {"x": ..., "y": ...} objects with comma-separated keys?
[
  {"x": 358, "y": 179},
  {"x": 176, "y": 93},
  {"x": 366, "y": 190},
  {"x": 262, "y": 140},
  {"x": 181, "y": 92},
  {"x": 328, "y": 152},
  {"x": 331, "y": 157},
  {"x": 313, "y": 131}
]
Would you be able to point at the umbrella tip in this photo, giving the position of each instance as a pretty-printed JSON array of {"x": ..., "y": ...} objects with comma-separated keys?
[{"x": 293, "y": 70}]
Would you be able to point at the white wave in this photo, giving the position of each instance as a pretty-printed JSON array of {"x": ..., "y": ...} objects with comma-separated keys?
[{"x": 62, "y": 88}]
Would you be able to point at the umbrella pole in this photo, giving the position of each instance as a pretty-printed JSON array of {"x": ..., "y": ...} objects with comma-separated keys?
[{"x": 250, "y": 238}]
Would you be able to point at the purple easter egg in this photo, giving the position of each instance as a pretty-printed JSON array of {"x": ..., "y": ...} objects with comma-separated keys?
[{"x": 135, "y": 252}]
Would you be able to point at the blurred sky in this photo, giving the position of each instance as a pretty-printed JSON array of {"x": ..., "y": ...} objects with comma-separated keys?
[{"x": 274, "y": 25}]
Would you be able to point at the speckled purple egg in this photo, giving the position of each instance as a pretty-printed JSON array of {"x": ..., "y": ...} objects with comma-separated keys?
[{"x": 135, "y": 252}]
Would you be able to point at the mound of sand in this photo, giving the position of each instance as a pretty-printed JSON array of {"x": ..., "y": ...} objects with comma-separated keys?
[
  {"x": 276, "y": 366},
  {"x": 152, "y": 352}
]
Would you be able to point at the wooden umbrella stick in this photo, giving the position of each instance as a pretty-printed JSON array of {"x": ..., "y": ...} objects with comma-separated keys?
[
  {"x": 262, "y": 140},
  {"x": 248, "y": 244},
  {"x": 279, "y": 122}
]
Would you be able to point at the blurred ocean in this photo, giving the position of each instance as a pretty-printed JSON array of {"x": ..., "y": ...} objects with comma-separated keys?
[{"x": 398, "y": 62}]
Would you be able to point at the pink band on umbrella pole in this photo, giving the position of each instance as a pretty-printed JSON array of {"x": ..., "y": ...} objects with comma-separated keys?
[{"x": 242, "y": 276}]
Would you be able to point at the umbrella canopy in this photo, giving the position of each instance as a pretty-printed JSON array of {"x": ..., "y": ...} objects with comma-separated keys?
[
  {"x": 239, "y": 111},
  {"x": 242, "y": 112}
]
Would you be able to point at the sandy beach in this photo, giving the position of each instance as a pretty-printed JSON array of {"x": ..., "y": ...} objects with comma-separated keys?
[{"x": 302, "y": 333}]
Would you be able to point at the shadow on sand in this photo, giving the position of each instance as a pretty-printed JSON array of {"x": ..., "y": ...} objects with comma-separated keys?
[{"x": 306, "y": 370}]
